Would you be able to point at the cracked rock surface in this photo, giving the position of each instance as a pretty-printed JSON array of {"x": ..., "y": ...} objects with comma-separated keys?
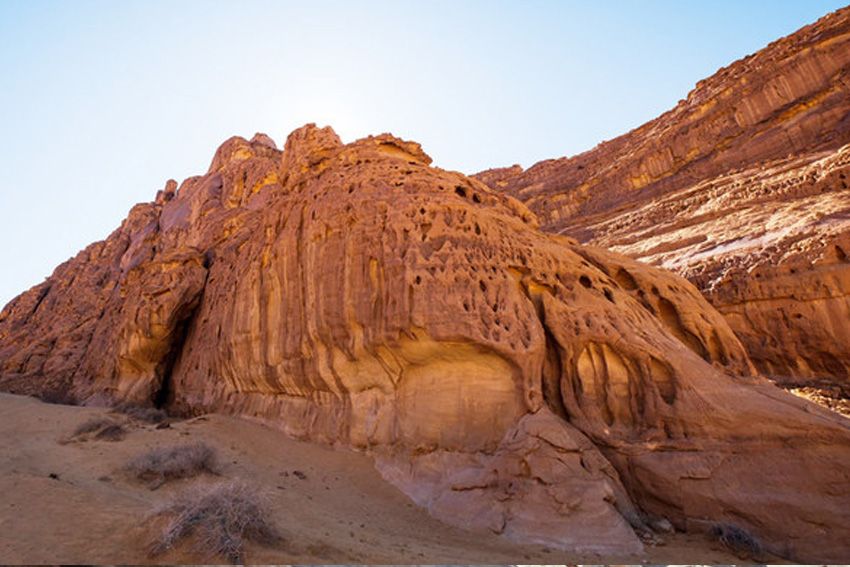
[
  {"x": 743, "y": 188},
  {"x": 507, "y": 379}
]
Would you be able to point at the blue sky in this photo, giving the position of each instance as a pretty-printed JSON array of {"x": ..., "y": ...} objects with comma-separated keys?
[{"x": 103, "y": 101}]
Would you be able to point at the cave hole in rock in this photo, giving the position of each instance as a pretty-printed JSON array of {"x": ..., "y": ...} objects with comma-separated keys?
[
  {"x": 626, "y": 280},
  {"x": 163, "y": 394},
  {"x": 552, "y": 370},
  {"x": 672, "y": 320},
  {"x": 585, "y": 281}
]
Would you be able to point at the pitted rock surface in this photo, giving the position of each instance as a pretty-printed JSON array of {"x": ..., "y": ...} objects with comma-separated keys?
[
  {"x": 742, "y": 188},
  {"x": 507, "y": 379}
]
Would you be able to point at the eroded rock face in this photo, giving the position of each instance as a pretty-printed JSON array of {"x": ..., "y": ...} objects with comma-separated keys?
[
  {"x": 773, "y": 260},
  {"x": 742, "y": 188},
  {"x": 507, "y": 379}
]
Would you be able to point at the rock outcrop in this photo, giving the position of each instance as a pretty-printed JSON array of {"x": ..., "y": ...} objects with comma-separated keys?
[
  {"x": 742, "y": 188},
  {"x": 507, "y": 379}
]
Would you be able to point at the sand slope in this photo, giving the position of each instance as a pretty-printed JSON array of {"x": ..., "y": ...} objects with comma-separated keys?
[{"x": 343, "y": 512}]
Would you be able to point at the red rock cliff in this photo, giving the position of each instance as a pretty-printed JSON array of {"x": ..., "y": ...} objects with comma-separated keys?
[
  {"x": 742, "y": 188},
  {"x": 507, "y": 379}
]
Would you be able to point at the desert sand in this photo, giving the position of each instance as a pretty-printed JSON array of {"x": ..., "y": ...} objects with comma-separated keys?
[
  {"x": 342, "y": 512},
  {"x": 584, "y": 355}
]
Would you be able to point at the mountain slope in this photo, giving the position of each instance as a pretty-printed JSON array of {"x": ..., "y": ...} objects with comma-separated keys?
[
  {"x": 507, "y": 380},
  {"x": 742, "y": 188}
]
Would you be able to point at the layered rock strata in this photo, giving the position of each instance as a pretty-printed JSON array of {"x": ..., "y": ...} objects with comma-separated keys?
[
  {"x": 742, "y": 188},
  {"x": 507, "y": 379}
]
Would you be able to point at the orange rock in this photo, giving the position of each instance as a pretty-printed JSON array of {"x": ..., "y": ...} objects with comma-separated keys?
[
  {"x": 742, "y": 188},
  {"x": 507, "y": 379}
]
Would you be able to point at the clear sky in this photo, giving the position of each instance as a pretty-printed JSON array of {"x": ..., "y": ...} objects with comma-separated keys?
[{"x": 103, "y": 101}]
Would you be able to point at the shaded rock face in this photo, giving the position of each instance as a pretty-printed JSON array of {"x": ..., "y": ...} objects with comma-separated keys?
[
  {"x": 742, "y": 188},
  {"x": 507, "y": 379},
  {"x": 773, "y": 260}
]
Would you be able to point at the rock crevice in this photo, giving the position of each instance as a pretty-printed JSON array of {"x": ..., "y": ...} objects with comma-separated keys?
[
  {"x": 507, "y": 379},
  {"x": 742, "y": 189}
]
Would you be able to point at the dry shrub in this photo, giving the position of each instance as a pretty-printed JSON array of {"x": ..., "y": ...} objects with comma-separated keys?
[
  {"x": 162, "y": 464},
  {"x": 220, "y": 517},
  {"x": 112, "y": 432},
  {"x": 92, "y": 425},
  {"x": 738, "y": 541},
  {"x": 142, "y": 413},
  {"x": 101, "y": 428}
]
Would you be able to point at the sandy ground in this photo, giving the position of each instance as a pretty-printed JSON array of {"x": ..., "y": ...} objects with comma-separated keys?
[{"x": 342, "y": 512}]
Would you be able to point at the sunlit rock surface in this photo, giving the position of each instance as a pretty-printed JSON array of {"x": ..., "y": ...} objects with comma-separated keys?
[
  {"x": 507, "y": 379},
  {"x": 743, "y": 189}
]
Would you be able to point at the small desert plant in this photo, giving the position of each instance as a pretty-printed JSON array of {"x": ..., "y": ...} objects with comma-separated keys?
[
  {"x": 221, "y": 517},
  {"x": 737, "y": 540},
  {"x": 141, "y": 413},
  {"x": 112, "y": 432},
  {"x": 100, "y": 428},
  {"x": 162, "y": 464},
  {"x": 92, "y": 425}
]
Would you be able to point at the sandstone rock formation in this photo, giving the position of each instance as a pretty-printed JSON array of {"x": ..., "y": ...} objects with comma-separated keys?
[
  {"x": 507, "y": 379},
  {"x": 742, "y": 188}
]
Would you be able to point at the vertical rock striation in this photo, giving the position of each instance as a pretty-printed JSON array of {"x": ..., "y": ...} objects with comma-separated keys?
[
  {"x": 742, "y": 188},
  {"x": 507, "y": 379}
]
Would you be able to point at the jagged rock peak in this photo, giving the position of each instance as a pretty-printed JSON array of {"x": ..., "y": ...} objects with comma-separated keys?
[
  {"x": 508, "y": 380},
  {"x": 396, "y": 146},
  {"x": 263, "y": 139},
  {"x": 167, "y": 193},
  {"x": 308, "y": 144},
  {"x": 237, "y": 148}
]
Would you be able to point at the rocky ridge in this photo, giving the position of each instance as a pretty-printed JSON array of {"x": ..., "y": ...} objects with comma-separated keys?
[
  {"x": 506, "y": 379},
  {"x": 742, "y": 188}
]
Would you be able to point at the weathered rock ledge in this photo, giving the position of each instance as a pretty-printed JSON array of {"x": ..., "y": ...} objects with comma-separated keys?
[
  {"x": 507, "y": 379},
  {"x": 743, "y": 189}
]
